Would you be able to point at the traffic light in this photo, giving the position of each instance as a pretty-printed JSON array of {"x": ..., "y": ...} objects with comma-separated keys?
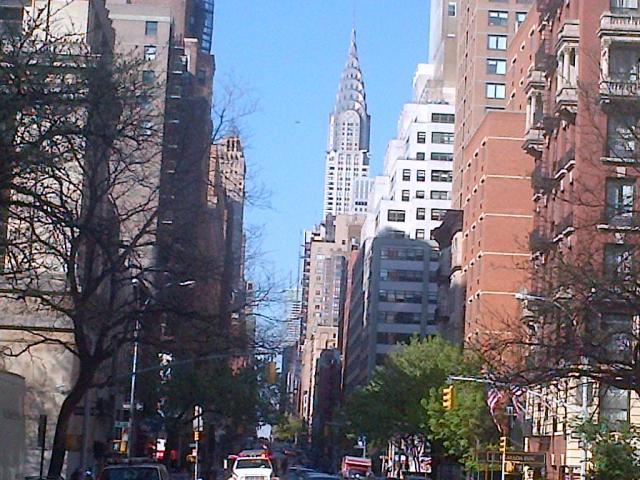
[
  {"x": 503, "y": 444},
  {"x": 196, "y": 436},
  {"x": 448, "y": 398}
]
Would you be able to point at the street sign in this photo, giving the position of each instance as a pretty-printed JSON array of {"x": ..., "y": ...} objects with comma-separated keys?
[
  {"x": 533, "y": 459},
  {"x": 119, "y": 424}
]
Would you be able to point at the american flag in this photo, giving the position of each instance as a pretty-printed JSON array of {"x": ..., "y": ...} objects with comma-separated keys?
[
  {"x": 494, "y": 396},
  {"x": 517, "y": 392}
]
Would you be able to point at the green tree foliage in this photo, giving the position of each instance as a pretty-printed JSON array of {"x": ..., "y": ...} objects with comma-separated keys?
[
  {"x": 288, "y": 429},
  {"x": 464, "y": 429},
  {"x": 615, "y": 450},
  {"x": 404, "y": 399}
]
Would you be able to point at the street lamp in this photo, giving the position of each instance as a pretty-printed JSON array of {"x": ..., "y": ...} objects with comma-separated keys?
[
  {"x": 134, "y": 361},
  {"x": 584, "y": 386}
]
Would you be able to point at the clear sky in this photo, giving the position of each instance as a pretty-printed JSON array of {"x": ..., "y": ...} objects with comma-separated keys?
[{"x": 289, "y": 54}]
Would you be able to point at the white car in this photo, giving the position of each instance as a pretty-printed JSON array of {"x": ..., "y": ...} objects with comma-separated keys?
[
  {"x": 131, "y": 470},
  {"x": 252, "y": 466}
]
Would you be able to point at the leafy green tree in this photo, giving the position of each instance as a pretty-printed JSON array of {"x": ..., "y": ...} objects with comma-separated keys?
[
  {"x": 288, "y": 429},
  {"x": 466, "y": 428},
  {"x": 404, "y": 399},
  {"x": 615, "y": 450}
]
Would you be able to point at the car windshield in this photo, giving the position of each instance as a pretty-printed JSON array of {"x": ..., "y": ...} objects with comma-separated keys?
[
  {"x": 253, "y": 463},
  {"x": 131, "y": 473}
]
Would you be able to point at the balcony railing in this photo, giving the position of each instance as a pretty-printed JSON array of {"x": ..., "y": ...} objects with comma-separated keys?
[
  {"x": 541, "y": 181},
  {"x": 543, "y": 60},
  {"x": 616, "y": 220},
  {"x": 565, "y": 225},
  {"x": 611, "y": 89},
  {"x": 566, "y": 160},
  {"x": 539, "y": 241},
  {"x": 548, "y": 7},
  {"x": 619, "y": 24}
]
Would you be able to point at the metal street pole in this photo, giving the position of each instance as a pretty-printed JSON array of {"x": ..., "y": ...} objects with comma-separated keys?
[
  {"x": 584, "y": 413},
  {"x": 504, "y": 465},
  {"x": 132, "y": 390}
]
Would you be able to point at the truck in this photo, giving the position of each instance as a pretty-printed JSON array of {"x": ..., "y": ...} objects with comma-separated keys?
[
  {"x": 251, "y": 465},
  {"x": 12, "y": 425},
  {"x": 355, "y": 467}
]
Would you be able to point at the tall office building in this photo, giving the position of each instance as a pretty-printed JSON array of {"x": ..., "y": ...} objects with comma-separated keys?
[
  {"x": 348, "y": 141},
  {"x": 392, "y": 295}
]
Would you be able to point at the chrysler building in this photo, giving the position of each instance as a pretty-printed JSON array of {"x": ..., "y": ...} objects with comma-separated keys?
[{"x": 348, "y": 142}]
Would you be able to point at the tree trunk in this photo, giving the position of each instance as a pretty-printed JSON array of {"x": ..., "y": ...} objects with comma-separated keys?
[{"x": 59, "y": 448}]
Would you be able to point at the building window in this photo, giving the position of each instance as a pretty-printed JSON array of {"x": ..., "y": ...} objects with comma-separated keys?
[
  {"x": 618, "y": 260},
  {"x": 393, "y": 253},
  {"x": 621, "y": 136},
  {"x": 401, "y": 275},
  {"x": 151, "y": 28},
  {"x": 148, "y": 77},
  {"x": 497, "y": 42},
  {"x": 443, "y": 157},
  {"x": 150, "y": 52},
  {"x": 395, "y": 215},
  {"x": 420, "y": 194},
  {"x": 421, "y": 175},
  {"x": 444, "y": 138},
  {"x": 422, "y": 137},
  {"x": 421, "y": 214},
  {"x": 498, "y": 18},
  {"x": 438, "y": 213},
  {"x": 405, "y": 195},
  {"x": 496, "y": 90},
  {"x": 623, "y": 6},
  {"x": 496, "y": 66},
  {"x": 420, "y": 233},
  {"x": 400, "y": 317},
  {"x": 420, "y": 156},
  {"x": 400, "y": 296},
  {"x": 393, "y": 338},
  {"x": 406, "y": 175},
  {"x": 443, "y": 118},
  {"x": 520, "y": 18},
  {"x": 620, "y": 199},
  {"x": 441, "y": 176},
  {"x": 451, "y": 9},
  {"x": 440, "y": 195}
]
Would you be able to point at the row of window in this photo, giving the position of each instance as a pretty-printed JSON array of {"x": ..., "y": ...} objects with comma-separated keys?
[
  {"x": 421, "y": 175},
  {"x": 402, "y": 253},
  {"x": 441, "y": 156},
  {"x": 393, "y": 338},
  {"x": 420, "y": 194},
  {"x": 400, "y": 216},
  {"x": 443, "y": 138},
  {"x": 400, "y": 317},
  {"x": 402, "y": 275},
  {"x": 399, "y": 296}
]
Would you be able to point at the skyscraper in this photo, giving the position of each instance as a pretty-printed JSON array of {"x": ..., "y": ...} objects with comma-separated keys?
[{"x": 348, "y": 140}]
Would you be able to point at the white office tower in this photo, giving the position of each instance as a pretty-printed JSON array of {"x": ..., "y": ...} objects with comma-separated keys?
[
  {"x": 348, "y": 141},
  {"x": 415, "y": 190}
]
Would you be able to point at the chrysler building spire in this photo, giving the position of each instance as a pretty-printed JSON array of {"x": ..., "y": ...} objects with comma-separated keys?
[{"x": 348, "y": 140}]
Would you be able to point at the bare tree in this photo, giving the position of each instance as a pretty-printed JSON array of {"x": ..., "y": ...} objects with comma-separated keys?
[{"x": 80, "y": 146}]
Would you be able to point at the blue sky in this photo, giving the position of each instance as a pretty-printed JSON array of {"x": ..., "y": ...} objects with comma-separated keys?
[{"x": 289, "y": 54}]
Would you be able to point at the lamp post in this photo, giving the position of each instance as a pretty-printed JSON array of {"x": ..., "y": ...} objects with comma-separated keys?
[
  {"x": 584, "y": 386},
  {"x": 134, "y": 359}
]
